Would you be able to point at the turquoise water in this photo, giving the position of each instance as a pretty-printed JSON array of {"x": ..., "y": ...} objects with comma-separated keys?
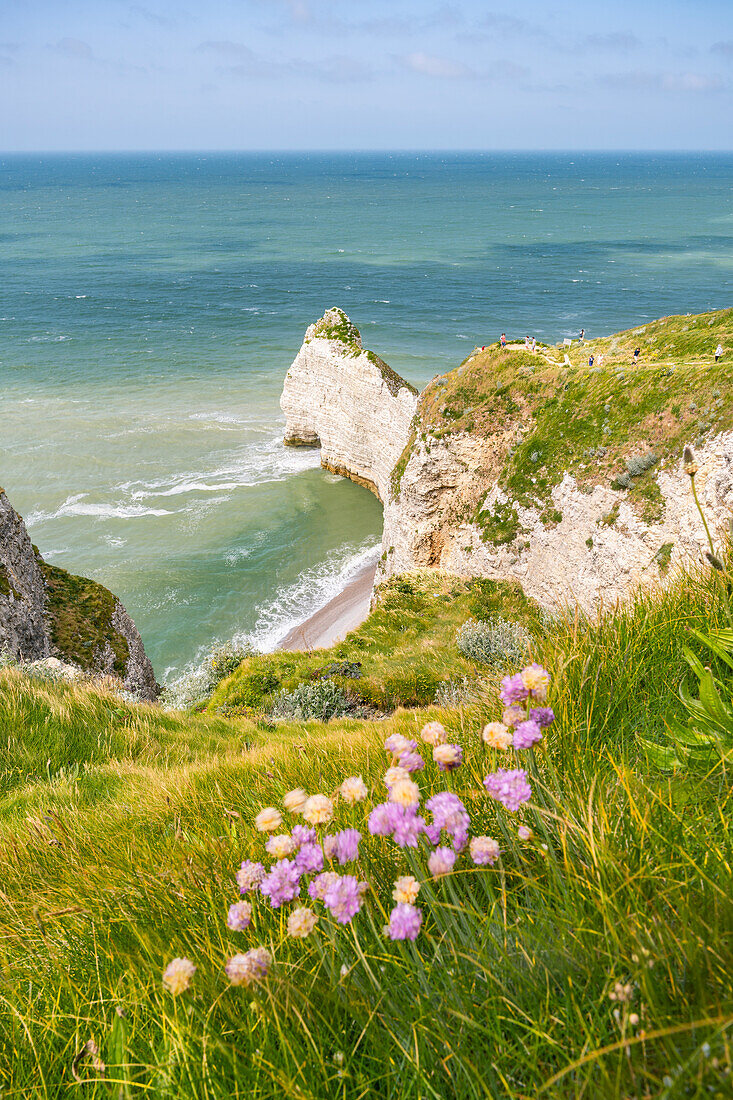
[{"x": 150, "y": 306}]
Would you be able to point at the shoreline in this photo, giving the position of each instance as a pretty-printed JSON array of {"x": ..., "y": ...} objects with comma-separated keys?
[{"x": 340, "y": 615}]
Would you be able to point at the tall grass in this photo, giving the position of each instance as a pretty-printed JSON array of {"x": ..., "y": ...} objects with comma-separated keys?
[{"x": 627, "y": 879}]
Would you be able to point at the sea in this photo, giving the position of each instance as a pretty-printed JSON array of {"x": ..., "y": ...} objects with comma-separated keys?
[{"x": 150, "y": 305}]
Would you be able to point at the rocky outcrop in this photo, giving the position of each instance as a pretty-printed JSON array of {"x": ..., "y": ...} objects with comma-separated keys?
[
  {"x": 47, "y": 612},
  {"x": 23, "y": 628},
  {"x": 349, "y": 402},
  {"x": 598, "y": 551}
]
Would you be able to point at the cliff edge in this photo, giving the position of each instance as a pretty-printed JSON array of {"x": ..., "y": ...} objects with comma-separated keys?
[
  {"x": 47, "y": 612},
  {"x": 349, "y": 402},
  {"x": 553, "y": 469}
]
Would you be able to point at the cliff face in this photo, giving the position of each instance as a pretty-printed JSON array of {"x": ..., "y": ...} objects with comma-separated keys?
[
  {"x": 45, "y": 611},
  {"x": 598, "y": 550},
  {"x": 348, "y": 401},
  {"x": 548, "y": 469}
]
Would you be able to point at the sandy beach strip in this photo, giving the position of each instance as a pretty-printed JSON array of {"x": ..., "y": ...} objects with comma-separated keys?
[{"x": 332, "y": 622}]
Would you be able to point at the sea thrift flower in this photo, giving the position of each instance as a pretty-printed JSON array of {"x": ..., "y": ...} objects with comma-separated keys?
[
  {"x": 249, "y": 876},
  {"x": 294, "y": 801},
  {"x": 381, "y": 819},
  {"x": 433, "y": 733},
  {"x": 513, "y": 689},
  {"x": 309, "y": 859},
  {"x": 448, "y": 757},
  {"x": 404, "y": 922},
  {"x": 178, "y": 974},
  {"x": 239, "y": 916},
  {"x": 318, "y": 809},
  {"x": 407, "y": 826},
  {"x": 512, "y": 716},
  {"x": 282, "y": 883},
  {"x": 301, "y": 834},
  {"x": 543, "y": 716},
  {"x": 484, "y": 850},
  {"x": 496, "y": 736},
  {"x": 320, "y": 884},
  {"x": 405, "y": 793},
  {"x": 396, "y": 744},
  {"x": 621, "y": 992},
  {"x": 509, "y": 787},
  {"x": 450, "y": 814},
  {"x": 536, "y": 679},
  {"x": 280, "y": 846},
  {"x": 527, "y": 734},
  {"x": 347, "y": 845},
  {"x": 524, "y": 833},
  {"x": 406, "y": 889},
  {"x": 250, "y": 967},
  {"x": 301, "y": 922},
  {"x": 441, "y": 861},
  {"x": 395, "y": 775},
  {"x": 268, "y": 820},
  {"x": 343, "y": 897},
  {"x": 353, "y": 789},
  {"x": 329, "y": 846},
  {"x": 412, "y": 762}
]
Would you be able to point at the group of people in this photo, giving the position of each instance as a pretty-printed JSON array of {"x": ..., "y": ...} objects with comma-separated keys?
[{"x": 530, "y": 344}]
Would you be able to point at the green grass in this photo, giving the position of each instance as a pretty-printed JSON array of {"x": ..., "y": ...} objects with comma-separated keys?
[
  {"x": 404, "y": 649},
  {"x": 120, "y": 853}
]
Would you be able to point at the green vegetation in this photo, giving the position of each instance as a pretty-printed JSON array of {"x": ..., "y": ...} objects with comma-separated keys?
[
  {"x": 335, "y": 325},
  {"x": 617, "y": 424},
  {"x": 6, "y": 586},
  {"x": 80, "y": 613},
  {"x": 398, "y": 657},
  {"x": 122, "y": 828}
]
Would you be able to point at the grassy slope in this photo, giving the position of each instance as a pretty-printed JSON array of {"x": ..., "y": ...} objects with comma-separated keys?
[
  {"x": 546, "y": 419},
  {"x": 405, "y": 647},
  {"x": 120, "y": 852}
]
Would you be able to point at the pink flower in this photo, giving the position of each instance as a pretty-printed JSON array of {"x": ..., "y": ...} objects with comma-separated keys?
[{"x": 441, "y": 861}]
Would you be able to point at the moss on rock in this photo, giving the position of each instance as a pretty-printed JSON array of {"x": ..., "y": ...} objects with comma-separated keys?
[{"x": 80, "y": 614}]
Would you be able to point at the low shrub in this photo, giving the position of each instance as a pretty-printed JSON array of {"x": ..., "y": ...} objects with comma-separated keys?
[
  {"x": 494, "y": 642},
  {"x": 197, "y": 684},
  {"x": 321, "y": 700}
]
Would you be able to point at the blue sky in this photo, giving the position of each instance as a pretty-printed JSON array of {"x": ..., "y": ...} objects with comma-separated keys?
[{"x": 366, "y": 74}]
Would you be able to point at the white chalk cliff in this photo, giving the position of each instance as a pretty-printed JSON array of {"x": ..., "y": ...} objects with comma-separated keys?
[
  {"x": 349, "y": 402},
  {"x": 596, "y": 548}
]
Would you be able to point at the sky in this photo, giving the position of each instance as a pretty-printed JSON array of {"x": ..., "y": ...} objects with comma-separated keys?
[{"x": 365, "y": 74}]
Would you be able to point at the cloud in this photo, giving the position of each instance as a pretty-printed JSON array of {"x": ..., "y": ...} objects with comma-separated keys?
[
  {"x": 638, "y": 80},
  {"x": 75, "y": 48},
  {"x": 725, "y": 49},
  {"x": 442, "y": 67},
  {"x": 224, "y": 48},
  {"x": 618, "y": 41},
  {"x": 152, "y": 16},
  {"x": 332, "y": 69}
]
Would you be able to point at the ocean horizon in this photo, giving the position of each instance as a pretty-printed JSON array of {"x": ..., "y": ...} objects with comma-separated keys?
[{"x": 151, "y": 304}]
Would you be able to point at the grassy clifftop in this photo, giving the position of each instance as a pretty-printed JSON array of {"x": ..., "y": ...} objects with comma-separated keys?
[
  {"x": 615, "y": 424},
  {"x": 122, "y": 828}
]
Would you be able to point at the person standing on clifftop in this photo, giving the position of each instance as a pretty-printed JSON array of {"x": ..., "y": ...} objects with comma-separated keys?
[
  {"x": 718, "y": 352},
  {"x": 503, "y": 340},
  {"x": 582, "y": 335},
  {"x": 637, "y": 353}
]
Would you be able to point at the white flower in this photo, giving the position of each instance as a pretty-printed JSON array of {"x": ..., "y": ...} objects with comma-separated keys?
[
  {"x": 353, "y": 789},
  {"x": 301, "y": 922},
  {"x": 405, "y": 793},
  {"x": 318, "y": 809},
  {"x": 395, "y": 775},
  {"x": 433, "y": 733},
  {"x": 406, "y": 889},
  {"x": 178, "y": 974},
  {"x": 294, "y": 801},
  {"x": 447, "y": 754},
  {"x": 280, "y": 846},
  {"x": 497, "y": 736},
  {"x": 268, "y": 820}
]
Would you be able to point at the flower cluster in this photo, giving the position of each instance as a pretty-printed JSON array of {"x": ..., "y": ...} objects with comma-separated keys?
[{"x": 314, "y": 864}]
